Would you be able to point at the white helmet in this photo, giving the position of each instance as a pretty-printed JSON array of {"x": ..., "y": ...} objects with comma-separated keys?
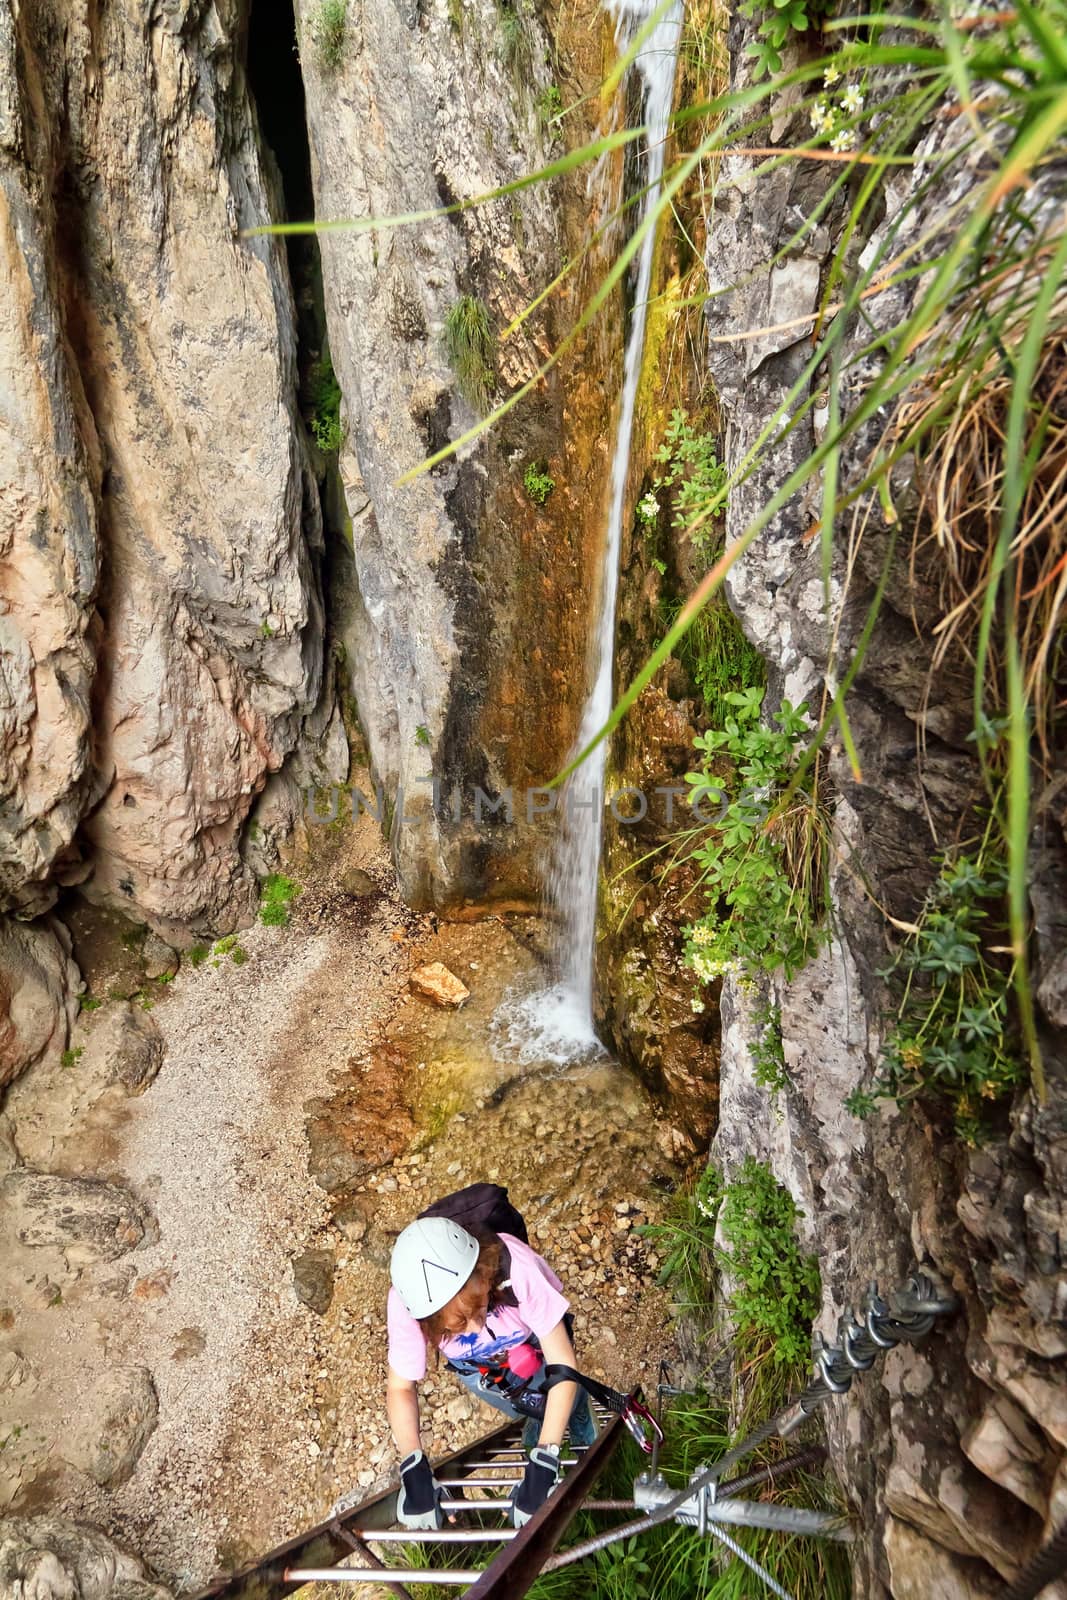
[{"x": 431, "y": 1261}]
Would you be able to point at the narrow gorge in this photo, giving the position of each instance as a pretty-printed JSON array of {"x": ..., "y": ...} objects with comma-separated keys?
[{"x": 532, "y": 652}]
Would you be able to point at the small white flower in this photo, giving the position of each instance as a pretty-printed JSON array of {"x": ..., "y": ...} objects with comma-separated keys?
[
  {"x": 821, "y": 116},
  {"x": 844, "y": 139},
  {"x": 830, "y": 76},
  {"x": 852, "y": 100},
  {"x": 696, "y": 1005}
]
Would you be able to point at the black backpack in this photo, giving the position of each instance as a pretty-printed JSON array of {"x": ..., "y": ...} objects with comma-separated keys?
[{"x": 481, "y": 1205}]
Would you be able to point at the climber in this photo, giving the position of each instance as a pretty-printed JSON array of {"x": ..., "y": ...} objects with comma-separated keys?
[{"x": 495, "y": 1310}]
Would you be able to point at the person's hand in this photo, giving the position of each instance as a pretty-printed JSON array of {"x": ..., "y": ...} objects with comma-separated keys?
[
  {"x": 540, "y": 1478},
  {"x": 417, "y": 1503}
]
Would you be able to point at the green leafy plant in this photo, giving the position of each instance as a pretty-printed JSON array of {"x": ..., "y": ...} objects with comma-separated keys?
[
  {"x": 265, "y": 630},
  {"x": 70, "y": 1057},
  {"x": 762, "y": 858},
  {"x": 778, "y": 20},
  {"x": 537, "y": 482},
  {"x": 471, "y": 347},
  {"x": 89, "y": 1002},
  {"x": 197, "y": 955},
  {"x": 766, "y": 1050},
  {"x": 775, "y": 1289},
  {"x": 323, "y": 405},
  {"x": 549, "y": 106},
  {"x": 327, "y": 26},
  {"x": 696, "y": 481},
  {"x": 952, "y": 1039},
  {"x": 276, "y": 894},
  {"x": 422, "y": 736}
]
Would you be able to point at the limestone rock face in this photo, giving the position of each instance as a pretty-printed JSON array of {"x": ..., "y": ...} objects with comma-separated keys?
[
  {"x": 953, "y": 1451},
  {"x": 472, "y": 605},
  {"x": 159, "y": 509},
  {"x": 37, "y": 1002},
  {"x": 50, "y": 1558}
]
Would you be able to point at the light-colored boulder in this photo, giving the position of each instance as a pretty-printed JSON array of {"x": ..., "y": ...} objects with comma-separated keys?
[
  {"x": 51, "y": 1558},
  {"x": 124, "y": 1047},
  {"x": 37, "y": 1001},
  {"x": 87, "y": 1219},
  {"x": 114, "y": 1420},
  {"x": 437, "y": 983}
]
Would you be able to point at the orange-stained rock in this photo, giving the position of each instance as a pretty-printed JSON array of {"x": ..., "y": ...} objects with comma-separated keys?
[{"x": 440, "y": 985}]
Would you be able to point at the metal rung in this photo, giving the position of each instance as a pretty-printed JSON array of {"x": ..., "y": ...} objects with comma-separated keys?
[
  {"x": 474, "y": 1505},
  {"x": 378, "y": 1575},
  {"x": 475, "y": 1483},
  {"x": 428, "y": 1536}
]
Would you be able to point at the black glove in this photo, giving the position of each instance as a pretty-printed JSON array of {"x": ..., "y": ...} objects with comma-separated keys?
[
  {"x": 541, "y": 1477},
  {"x": 416, "y": 1504}
]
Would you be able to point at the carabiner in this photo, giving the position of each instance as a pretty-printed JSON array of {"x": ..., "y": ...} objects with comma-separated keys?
[{"x": 638, "y": 1419}]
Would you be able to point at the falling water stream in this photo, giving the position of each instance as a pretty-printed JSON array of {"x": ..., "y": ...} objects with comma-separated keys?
[{"x": 556, "y": 1024}]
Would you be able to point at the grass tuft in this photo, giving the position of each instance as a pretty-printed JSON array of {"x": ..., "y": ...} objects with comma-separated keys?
[
  {"x": 471, "y": 347},
  {"x": 328, "y": 26}
]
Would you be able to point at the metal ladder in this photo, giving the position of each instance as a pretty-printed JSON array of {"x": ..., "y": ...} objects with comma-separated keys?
[{"x": 478, "y": 1481}]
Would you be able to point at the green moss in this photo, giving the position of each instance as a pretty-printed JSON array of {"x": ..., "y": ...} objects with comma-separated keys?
[
  {"x": 69, "y": 1057},
  {"x": 197, "y": 955},
  {"x": 90, "y": 1003},
  {"x": 276, "y": 893}
]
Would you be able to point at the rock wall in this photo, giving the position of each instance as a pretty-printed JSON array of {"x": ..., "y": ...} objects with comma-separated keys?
[
  {"x": 473, "y": 606},
  {"x": 161, "y": 609},
  {"x": 952, "y": 1455}
]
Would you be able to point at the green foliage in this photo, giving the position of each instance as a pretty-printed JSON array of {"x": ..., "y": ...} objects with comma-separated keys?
[
  {"x": 763, "y": 857},
  {"x": 697, "y": 482},
  {"x": 716, "y": 654},
  {"x": 70, "y": 1057},
  {"x": 323, "y": 406},
  {"x": 676, "y": 1563},
  {"x": 224, "y": 945},
  {"x": 327, "y": 25},
  {"x": 685, "y": 1238},
  {"x": 775, "y": 1290},
  {"x": 766, "y": 1050},
  {"x": 197, "y": 955},
  {"x": 549, "y": 106},
  {"x": 778, "y": 20},
  {"x": 89, "y": 1002},
  {"x": 422, "y": 735},
  {"x": 471, "y": 346},
  {"x": 238, "y": 955},
  {"x": 952, "y": 1038},
  {"x": 537, "y": 482},
  {"x": 276, "y": 892},
  {"x": 265, "y": 630},
  {"x": 647, "y": 511}
]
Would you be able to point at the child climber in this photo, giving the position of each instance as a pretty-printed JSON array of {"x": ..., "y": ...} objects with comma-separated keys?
[{"x": 482, "y": 1299}]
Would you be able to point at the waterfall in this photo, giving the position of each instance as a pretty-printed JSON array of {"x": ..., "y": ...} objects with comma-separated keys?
[{"x": 557, "y": 1024}]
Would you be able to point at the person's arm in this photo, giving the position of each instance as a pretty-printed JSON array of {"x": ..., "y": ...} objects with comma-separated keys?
[
  {"x": 402, "y": 1409},
  {"x": 560, "y": 1399}
]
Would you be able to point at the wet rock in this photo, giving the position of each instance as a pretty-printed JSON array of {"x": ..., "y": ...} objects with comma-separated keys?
[
  {"x": 355, "y": 1132},
  {"x": 50, "y": 1558},
  {"x": 358, "y": 883},
  {"x": 438, "y": 984},
  {"x": 88, "y": 1219},
  {"x": 38, "y": 980},
  {"x": 160, "y": 959},
  {"x": 125, "y": 1046},
  {"x": 313, "y": 1274},
  {"x": 114, "y": 1422}
]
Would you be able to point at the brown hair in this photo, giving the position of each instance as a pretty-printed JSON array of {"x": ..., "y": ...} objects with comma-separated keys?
[{"x": 484, "y": 1287}]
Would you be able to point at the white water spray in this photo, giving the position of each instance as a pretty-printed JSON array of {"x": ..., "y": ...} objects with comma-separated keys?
[{"x": 557, "y": 1024}]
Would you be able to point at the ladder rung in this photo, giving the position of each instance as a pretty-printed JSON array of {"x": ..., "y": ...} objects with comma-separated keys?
[
  {"x": 475, "y": 1483},
  {"x": 379, "y": 1575},
  {"x": 474, "y": 1505},
  {"x": 429, "y": 1536}
]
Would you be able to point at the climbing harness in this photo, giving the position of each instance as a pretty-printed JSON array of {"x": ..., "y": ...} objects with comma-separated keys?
[{"x": 499, "y": 1378}]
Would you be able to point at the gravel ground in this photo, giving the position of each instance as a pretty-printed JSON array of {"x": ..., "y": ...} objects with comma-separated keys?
[{"x": 269, "y": 1411}]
